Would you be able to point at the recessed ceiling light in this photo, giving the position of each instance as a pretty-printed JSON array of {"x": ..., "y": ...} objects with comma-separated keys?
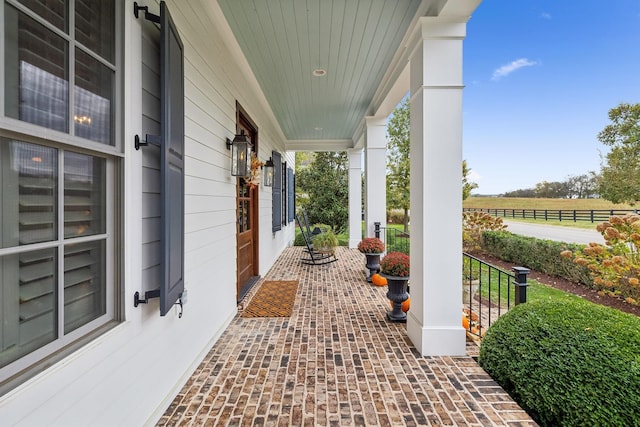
[
  {"x": 319, "y": 72},
  {"x": 317, "y": 129}
]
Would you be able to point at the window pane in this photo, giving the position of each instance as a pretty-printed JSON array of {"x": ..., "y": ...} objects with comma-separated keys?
[
  {"x": 27, "y": 303},
  {"x": 36, "y": 74},
  {"x": 28, "y": 178},
  {"x": 84, "y": 195},
  {"x": 95, "y": 26},
  {"x": 93, "y": 115},
  {"x": 84, "y": 284},
  {"x": 54, "y": 11}
]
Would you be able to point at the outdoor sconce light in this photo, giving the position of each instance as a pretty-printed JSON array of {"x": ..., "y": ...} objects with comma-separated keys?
[
  {"x": 268, "y": 173},
  {"x": 240, "y": 160}
]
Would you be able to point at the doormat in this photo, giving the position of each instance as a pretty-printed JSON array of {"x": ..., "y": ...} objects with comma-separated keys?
[{"x": 273, "y": 299}]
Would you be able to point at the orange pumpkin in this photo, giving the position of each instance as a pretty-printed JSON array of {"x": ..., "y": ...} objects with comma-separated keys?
[
  {"x": 465, "y": 322},
  {"x": 378, "y": 280},
  {"x": 406, "y": 304},
  {"x": 474, "y": 316}
]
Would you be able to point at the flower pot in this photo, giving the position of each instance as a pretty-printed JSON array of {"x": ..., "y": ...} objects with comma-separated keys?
[
  {"x": 398, "y": 294},
  {"x": 373, "y": 264},
  {"x": 469, "y": 289}
]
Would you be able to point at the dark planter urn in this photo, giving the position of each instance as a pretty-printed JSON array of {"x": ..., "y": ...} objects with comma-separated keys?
[
  {"x": 373, "y": 264},
  {"x": 397, "y": 293}
]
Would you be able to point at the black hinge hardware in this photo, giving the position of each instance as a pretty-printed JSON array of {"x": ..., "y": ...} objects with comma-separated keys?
[
  {"x": 147, "y": 15},
  {"x": 155, "y": 294},
  {"x": 147, "y": 296},
  {"x": 149, "y": 139}
]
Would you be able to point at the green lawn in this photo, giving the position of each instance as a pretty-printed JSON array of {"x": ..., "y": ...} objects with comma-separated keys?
[
  {"x": 539, "y": 291},
  {"x": 536, "y": 291}
]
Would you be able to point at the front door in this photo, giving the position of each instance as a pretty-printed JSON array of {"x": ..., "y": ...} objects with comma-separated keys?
[{"x": 247, "y": 220}]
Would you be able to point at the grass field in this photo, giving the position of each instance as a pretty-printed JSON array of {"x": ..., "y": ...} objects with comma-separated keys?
[{"x": 531, "y": 203}]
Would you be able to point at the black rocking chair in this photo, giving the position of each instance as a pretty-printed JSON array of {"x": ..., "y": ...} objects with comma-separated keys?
[{"x": 312, "y": 256}]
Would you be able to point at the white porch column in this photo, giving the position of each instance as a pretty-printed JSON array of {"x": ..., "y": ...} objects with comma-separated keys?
[
  {"x": 355, "y": 197},
  {"x": 434, "y": 321},
  {"x": 375, "y": 202}
]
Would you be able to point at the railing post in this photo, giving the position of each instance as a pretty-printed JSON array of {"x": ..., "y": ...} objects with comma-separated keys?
[
  {"x": 376, "y": 229},
  {"x": 521, "y": 284}
]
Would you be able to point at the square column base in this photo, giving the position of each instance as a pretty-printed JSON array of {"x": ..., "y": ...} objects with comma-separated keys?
[{"x": 437, "y": 341}]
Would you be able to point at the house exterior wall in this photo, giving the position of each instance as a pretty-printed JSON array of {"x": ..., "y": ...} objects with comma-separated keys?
[{"x": 129, "y": 375}]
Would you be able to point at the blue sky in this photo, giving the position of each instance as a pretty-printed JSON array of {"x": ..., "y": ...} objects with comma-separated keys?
[{"x": 540, "y": 78}]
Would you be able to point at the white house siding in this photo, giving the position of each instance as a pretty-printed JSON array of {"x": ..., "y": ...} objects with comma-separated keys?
[{"x": 129, "y": 375}]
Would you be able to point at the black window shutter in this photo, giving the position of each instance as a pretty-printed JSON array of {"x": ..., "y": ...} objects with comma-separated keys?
[
  {"x": 276, "y": 193},
  {"x": 171, "y": 161},
  {"x": 291, "y": 195}
]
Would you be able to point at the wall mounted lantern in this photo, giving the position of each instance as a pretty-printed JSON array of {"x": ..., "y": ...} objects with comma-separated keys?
[
  {"x": 240, "y": 159},
  {"x": 268, "y": 173}
]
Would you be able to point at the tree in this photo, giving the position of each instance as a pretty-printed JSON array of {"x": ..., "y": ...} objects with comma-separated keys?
[
  {"x": 582, "y": 186},
  {"x": 467, "y": 187},
  {"x": 620, "y": 173},
  {"x": 323, "y": 189},
  {"x": 398, "y": 164},
  {"x": 552, "y": 190},
  {"x": 523, "y": 192}
]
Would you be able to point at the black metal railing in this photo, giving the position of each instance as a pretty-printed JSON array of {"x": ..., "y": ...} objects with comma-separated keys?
[
  {"x": 488, "y": 292},
  {"x": 573, "y": 215},
  {"x": 394, "y": 239}
]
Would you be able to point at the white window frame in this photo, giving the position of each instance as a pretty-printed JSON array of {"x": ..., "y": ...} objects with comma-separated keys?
[{"x": 29, "y": 365}]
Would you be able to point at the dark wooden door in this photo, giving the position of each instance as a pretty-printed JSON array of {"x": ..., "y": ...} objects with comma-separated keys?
[{"x": 247, "y": 223}]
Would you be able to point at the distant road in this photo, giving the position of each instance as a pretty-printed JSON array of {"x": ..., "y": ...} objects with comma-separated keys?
[{"x": 555, "y": 232}]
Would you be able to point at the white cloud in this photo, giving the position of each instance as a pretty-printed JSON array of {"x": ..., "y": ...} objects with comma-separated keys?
[
  {"x": 546, "y": 15},
  {"x": 507, "y": 69}
]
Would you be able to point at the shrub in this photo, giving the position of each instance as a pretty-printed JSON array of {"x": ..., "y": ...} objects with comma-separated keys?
[
  {"x": 614, "y": 266},
  {"x": 474, "y": 224},
  {"x": 395, "y": 216},
  {"x": 536, "y": 254},
  {"x": 567, "y": 363},
  {"x": 299, "y": 239},
  {"x": 470, "y": 269}
]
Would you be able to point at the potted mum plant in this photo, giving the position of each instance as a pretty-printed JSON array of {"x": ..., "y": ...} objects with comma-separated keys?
[
  {"x": 372, "y": 248},
  {"x": 395, "y": 268}
]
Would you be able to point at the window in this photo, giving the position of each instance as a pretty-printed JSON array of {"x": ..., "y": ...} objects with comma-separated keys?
[
  {"x": 57, "y": 202},
  {"x": 59, "y": 81}
]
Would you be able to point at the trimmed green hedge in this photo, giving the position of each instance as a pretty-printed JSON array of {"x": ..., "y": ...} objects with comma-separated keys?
[
  {"x": 536, "y": 254},
  {"x": 568, "y": 363}
]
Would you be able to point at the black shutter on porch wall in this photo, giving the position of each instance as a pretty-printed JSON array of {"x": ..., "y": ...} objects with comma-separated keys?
[
  {"x": 291, "y": 195},
  {"x": 171, "y": 161},
  {"x": 276, "y": 193}
]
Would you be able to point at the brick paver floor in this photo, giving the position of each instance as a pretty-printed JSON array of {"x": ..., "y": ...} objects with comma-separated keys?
[{"x": 336, "y": 361}]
